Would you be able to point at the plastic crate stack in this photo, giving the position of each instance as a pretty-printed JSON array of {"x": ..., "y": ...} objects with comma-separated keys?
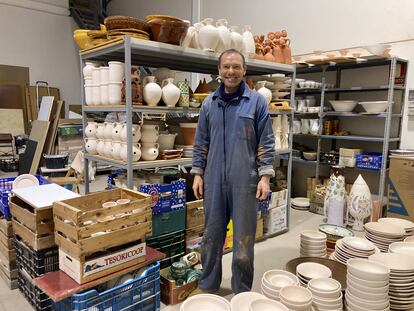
[
  {"x": 140, "y": 294},
  {"x": 30, "y": 265},
  {"x": 8, "y": 267}
]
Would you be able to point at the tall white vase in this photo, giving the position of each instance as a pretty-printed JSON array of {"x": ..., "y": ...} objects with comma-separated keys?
[
  {"x": 208, "y": 35},
  {"x": 249, "y": 48},
  {"x": 335, "y": 195},
  {"x": 170, "y": 92},
  {"x": 152, "y": 91},
  {"x": 224, "y": 34},
  {"x": 359, "y": 203}
]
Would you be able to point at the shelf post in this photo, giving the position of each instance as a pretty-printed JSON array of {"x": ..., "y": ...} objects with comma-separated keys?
[{"x": 128, "y": 102}]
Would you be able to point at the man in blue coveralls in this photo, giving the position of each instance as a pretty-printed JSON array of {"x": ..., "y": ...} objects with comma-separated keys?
[{"x": 232, "y": 163}]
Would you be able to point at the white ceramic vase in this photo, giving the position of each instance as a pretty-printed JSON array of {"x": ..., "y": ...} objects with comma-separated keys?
[
  {"x": 208, "y": 35},
  {"x": 236, "y": 39},
  {"x": 170, "y": 92},
  {"x": 152, "y": 91},
  {"x": 100, "y": 147},
  {"x": 149, "y": 133},
  {"x": 335, "y": 192},
  {"x": 149, "y": 151},
  {"x": 107, "y": 150},
  {"x": 90, "y": 129},
  {"x": 359, "y": 203},
  {"x": 249, "y": 47},
  {"x": 224, "y": 35},
  {"x": 116, "y": 150},
  {"x": 90, "y": 145},
  {"x": 267, "y": 94},
  {"x": 116, "y": 131},
  {"x": 194, "y": 41},
  {"x": 136, "y": 133}
]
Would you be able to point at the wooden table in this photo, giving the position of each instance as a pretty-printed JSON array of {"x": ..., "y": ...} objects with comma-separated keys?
[{"x": 58, "y": 285}]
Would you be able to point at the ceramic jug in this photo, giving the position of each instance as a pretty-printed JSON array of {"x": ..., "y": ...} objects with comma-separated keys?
[
  {"x": 100, "y": 147},
  {"x": 208, "y": 35},
  {"x": 267, "y": 94},
  {"x": 236, "y": 39},
  {"x": 194, "y": 41},
  {"x": 170, "y": 92},
  {"x": 297, "y": 127},
  {"x": 305, "y": 126},
  {"x": 136, "y": 152},
  {"x": 108, "y": 130},
  {"x": 149, "y": 133},
  {"x": 115, "y": 150},
  {"x": 136, "y": 87},
  {"x": 90, "y": 145},
  {"x": 335, "y": 195},
  {"x": 152, "y": 91},
  {"x": 314, "y": 126},
  {"x": 286, "y": 51},
  {"x": 100, "y": 131},
  {"x": 359, "y": 203},
  {"x": 224, "y": 34},
  {"x": 184, "y": 100},
  {"x": 107, "y": 150},
  {"x": 136, "y": 132},
  {"x": 186, "y": 41},
  {"x": 87, "y": 70},
  {"x": 277, "y": 50},
  {"x": 149, "y": 151},
  {"x": 249, "y": 47},
  {"x": 116, "y": 131},
  {"x": 90, "y": 129}
]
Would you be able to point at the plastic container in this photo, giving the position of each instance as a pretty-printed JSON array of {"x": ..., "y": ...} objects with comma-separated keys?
[
  {"x": 56, "y": 160},
  {"x": 171, "y": 244},
  {"x": 371, "y": 160},
  {"x": 37, "y": 298}
]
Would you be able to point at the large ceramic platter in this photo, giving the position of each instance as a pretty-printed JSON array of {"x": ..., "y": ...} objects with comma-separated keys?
[
  {"x": 312, "y": 270},
  {"x": 385, "y": 229},
  {"x": 205, "y": 302},
  {"x": 359, "y": 244},
  {"x": 397, "y": 262},
  {"x": 335, "y": 231},
  {"x": 403, "y": 223},
  {"x": 25, "y": 180},
  {"x": 241, "y": 301},
  {"x": 406, "y": 248}
]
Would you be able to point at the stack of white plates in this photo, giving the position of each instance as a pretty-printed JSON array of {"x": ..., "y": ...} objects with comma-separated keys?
[
  {"x": 382, "y": 234},
  {"x": 401, "y": 287},
  {"x": 327, "y": 294},
  {"x": 205, "y": 302},
  {"x": 265, "y": 304},
  {"x": 367, "y": 285},
  {"x": 353, "y": 247},
  {"x": 312, "y": 243},
  {"x": 242, "y": 301},
  {"x": 274, "y": 280},
  {"x": 407, "y": 225},
  {"x": 187, "y": 150},
  {"x": 296, "y": 298},
  {"x": 409, "y": 239},
  {"x": 311, "y": 270},
  {"x": 406, "y": 248},
  {"x": 300, "y": 203}
]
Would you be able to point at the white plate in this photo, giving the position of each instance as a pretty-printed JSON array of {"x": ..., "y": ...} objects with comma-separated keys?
[
  {"x": 385, "y": 229},
  {"x": 264, "y": 304},
  {"x": 205, "y": 302},
  {"x": 409, "y": 239},
  {"x": 241, "y": 301},
  {"x": 406, "y": 248},
  {"x": 300, "y": 201},
  {"x": 313, "y": 235},
  {"x": 403, "y": 223},
  {"x": 395, "y": 262},
  {"x": 335, "y": 230},
  {"x": 25, "y": 180},
  {"x": 312, "y": 270},
  {"x": 359, "y": 244}
]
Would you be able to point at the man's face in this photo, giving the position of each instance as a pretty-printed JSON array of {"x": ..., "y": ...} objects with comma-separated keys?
[{"x": 231, "y": 70}]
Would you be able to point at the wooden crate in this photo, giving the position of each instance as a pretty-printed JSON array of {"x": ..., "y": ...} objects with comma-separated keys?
[
  {"x": 8, "y": 275},
  {"x": 172, "y": 294},
  {"x": 79, "y": 221},
  {"x": 195, "y": 214},
  {"x": 7, "y": 241},
  {"x": 34, "y": 240},
  {"x": 6, "y": 227}
]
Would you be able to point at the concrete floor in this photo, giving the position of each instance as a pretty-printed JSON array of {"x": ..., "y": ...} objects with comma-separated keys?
[{"x": 273, "y": 253}]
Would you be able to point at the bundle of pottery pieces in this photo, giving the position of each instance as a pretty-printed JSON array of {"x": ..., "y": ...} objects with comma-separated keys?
[
  {"x": 401, "y": 286},
  {"x": 103, "y": 85},
  {"x": 367, "y": 285},
  {"x": 280, "y": 126},
  {"x": 312, "y": 243},
  {"x": 274, "y": 280},
  {"x": 383, "y": 234},
  {"x": 353, "y": 247},
  {"x": 296, "y": 297},
  {"x": 359, "y": 203},
  {"x": 311, "y": 270},
  {"x": 407, "y": 225},
  {"x": 205, "y": 302},
  {"x": 326, "y": 293},
  {"x": 153, "y": 92},
  {"x": 275, "y": 48}
]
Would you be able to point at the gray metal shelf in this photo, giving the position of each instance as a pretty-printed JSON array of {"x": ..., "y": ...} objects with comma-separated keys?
[
  {"x": 360, "y": 138},
  {"x": 280, "y": 112},
  {"x": 283, "y": 152},
  {"x": 351, "y": 89},
  {"x": 360, "y": 115},
  {"x": 139, "y": 108}
]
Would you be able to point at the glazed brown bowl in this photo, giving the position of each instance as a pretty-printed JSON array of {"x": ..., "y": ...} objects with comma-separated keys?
[{"x": 168, "y": 31}]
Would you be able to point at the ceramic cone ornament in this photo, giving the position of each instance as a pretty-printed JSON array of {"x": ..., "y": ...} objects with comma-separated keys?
[{"x": 359, "y": 203}]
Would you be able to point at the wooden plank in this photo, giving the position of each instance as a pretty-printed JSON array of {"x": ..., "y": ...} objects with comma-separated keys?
[
  {"x": 51, "y": 139},
  {"x": 38, "y": 134},
  {"x": 33, "y": 240},
  {"x": 8, "y": 254},
  {"x": 115, "y": 210},
  {"x": 58, "y": 285},
  {"x": 7, "y": 241},
  {"x": 65, "y": 211},
  {"x": 11, "y": 282},
  {"x": 6, "y": 264},
  {"x": 6, "y": 227},
  {"x": 70, "y": 231}
]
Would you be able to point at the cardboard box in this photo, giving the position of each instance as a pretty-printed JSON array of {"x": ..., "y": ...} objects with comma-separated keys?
[
  {"x": 259, "y": 229},
  {"x": 193, "y": 238},
  {"x": 347, "y": 161},
  {"x": 194, "y": 214},
  {"x": 83, "y": 271},
  {"x": 171, "y": 294},
  {"x": 275, "y": 220},
  {"x": 278, "y": 197},
  {"x": 347, "y": 152},
  {"x": 400, "y": 188}
]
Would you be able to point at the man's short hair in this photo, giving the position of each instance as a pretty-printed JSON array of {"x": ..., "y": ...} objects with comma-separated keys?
[{"x": 233, "y": 51}]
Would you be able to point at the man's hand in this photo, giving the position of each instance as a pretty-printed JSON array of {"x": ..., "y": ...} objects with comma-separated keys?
[
  {"x": 263, "y": 188},
  {"x": 198, "y": 187}
]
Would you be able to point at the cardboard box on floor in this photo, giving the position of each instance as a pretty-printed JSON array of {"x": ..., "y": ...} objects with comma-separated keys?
[{"x": 400, "y": 188}]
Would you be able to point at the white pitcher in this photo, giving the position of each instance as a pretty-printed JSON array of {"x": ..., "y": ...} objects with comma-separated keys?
[
  {"x": 136, "y": 133},
  {"x": 100, "y": 131},
  {"x": 236, "y": 39},
  {"x": 249, "y": 47},
  {"x": 116, "y": 150},
  {"x": 224, "y": 35},
  {"x": 150, "y": 151},
  {"x": 149, "y": 133},
  {"x": 90, "y": 129},
  {"x": 100, "y": 147},
  {"x": 267, "y": 94},
  {"x": 152, "y": 91},
  {"x": 107, "y": 150},
  {"x": 90, "y": 145},
  {"x": 170, "y": 92},
  {"x": 107, "y": 130},
  {"x": 208, "y": 36},
  {"x": 136, "y": 152},
  {"x": 116, "y": 131}
]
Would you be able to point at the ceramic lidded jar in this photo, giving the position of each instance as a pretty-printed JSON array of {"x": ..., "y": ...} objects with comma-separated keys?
[
  {"x": 262, "y": 89},
  {"x": 116, "y": 131},
  {"x": 90, "y": 145},
  {"x": 170, "y": 92},
  {"x": 224, "y": 34},
  {"x": 249, "y": 47},
  {"x": 359, "y": 203},
  {"x": 90, "y": 129},
  {"x": 136, "y": 152},
  {"x": 136, "y": 132},
  {"x": 208, "y": 35},
  {"x": 149, "y": 133},
  {"x": 334, "y": 201},
  {"x": 100, "y": 131},
  {"x": 152, "y": 91},
  {"x": 236, "y": 39},
  {"x": 149, "y": 151}
]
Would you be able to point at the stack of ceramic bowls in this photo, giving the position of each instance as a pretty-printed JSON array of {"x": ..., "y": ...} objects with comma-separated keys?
[
  {"x": 301, "y": 204},
  {"x": 406, "y": 248},
  {"x": 327, "y": 294},
  {"x": 312, "y": 243},
  {"x": 242, "y": 301},
  {"x": 382, "y": 234},
  {"x": 274, "y": 280},
  {"x": 353, "y": 247},
  {"x": 407, "y": 225},
  {"x": 367, "y": 285},
  {"x": 205, "y": 302},
  {"x": 409, "y": 239},
  {"x": 401, "y": 287},
  {"x": 296, "y": 298},
  {"x": 265, "y": 304},
  {"x": 311, "y": 270}
]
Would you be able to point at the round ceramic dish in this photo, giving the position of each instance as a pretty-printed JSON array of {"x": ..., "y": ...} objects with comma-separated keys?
[
  {"x": 359, "y": 244},
  {"x": 403, "y": 223},
  {"x": 384, "y": 229},
  {"x": 242, "y": 301},
  {"x": 406, "y": 248},
  {"x": 277, "y": 279},
  {"x": 265, "y": 305},
  {"x": 205, "y": 302},
  {"x": 25, "y": 180},
  {"x": 335, "y": 232},
  {"x": 312, "y": 270},
  {"x": 313, "y": 235},
  {"x": 396, "y": 262},
  {"x": 368, "y": 270}
]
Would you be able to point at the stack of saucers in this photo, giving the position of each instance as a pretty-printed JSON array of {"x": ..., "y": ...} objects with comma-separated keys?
[
  {"x": 382, "y": 234},
  {"x": 296, "y": 298},
  {"x": 401, "y": 287},
  {"x": 312, "y": 243},
  {"x": 300, "y": 203},
  {"x": 311, "y": 270},
  {"x": 327, "y": 294},
  {"x": 406, "y": 248},
  {"x": 274, "y": 280},
  {"x": 367, "y": 285},
  {"x": 353, "y": 247},
  {"x": 407, "y": 225}
]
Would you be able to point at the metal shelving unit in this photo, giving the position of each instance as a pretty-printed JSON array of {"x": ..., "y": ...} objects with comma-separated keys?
[{"x": 387, "y": 116}]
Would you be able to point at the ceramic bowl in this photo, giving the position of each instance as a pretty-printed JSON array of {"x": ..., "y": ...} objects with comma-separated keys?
[
  {"x": 274, "y": 292},
  {"x": 357, "y": 306},
  {"x": 409, "y": 239},
  {"x": 313, "y": 235},
  {"x": 343, "y": 105},
  {"x": 396, "y": 262},
  {"x": 326, "y": 304},
  {"x": 168, "y": 31},
  {"x": 367, "y": 289},
  {"x": 403, "y": 223},
  {"x": 242, "y": 301},
  {"x": 266, "y": 305},
  {"x": 297, "y": 307},
  {"x": 205, "y": 302},
  {"x": 325, "y": 285},
  {"x": 368, "y": 304},
  {"x": 368, "y": 296},
  {"x": 312, "y": 270},
  {"x": 406, "y": 248},
  {"x": 374, "y": 106},
  {"x": 366, "y": 283},
  {"x": 367, "y": 270},
  {"x": 276, "y": 279},
  {"x": 269, "y": 295},
  {"x": 332, "y": 296},
  {"x": 309, "y": 155},
  {"x": 377, "y": 49},
  {"x": 296, "y": 295}
]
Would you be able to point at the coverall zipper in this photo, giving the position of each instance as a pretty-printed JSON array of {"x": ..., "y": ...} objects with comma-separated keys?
[{"x": 224, "y": 140}]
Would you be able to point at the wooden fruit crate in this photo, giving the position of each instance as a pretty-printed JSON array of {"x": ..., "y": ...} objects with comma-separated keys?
[
  {"x": 195, "y": 214},
  {"x": 83, "y": 227},
  {"x": 9, "y": 275},
  {"x": 6, "y": 227}
]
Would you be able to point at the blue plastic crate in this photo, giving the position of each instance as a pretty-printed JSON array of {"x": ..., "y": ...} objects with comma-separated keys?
[
  {"x": 371, "y": 160},
  {"x": 6, "y": 185},
  {"x": 141, "y": 294}
]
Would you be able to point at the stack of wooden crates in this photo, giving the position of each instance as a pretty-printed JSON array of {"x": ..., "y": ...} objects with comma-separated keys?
[{"x": 8, "y": 267}]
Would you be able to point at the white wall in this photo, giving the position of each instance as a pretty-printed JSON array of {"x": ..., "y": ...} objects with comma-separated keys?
[{"x": 41, "y": 38}]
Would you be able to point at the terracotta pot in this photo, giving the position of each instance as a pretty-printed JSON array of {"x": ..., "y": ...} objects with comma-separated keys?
[{"x": 188, "y": 131}]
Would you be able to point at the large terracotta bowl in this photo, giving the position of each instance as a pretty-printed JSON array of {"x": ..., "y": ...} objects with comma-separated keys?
[{"x": 168, "y": 31}]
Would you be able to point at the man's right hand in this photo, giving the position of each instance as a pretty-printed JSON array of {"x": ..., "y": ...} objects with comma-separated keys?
[{"x": 198, "y": 187}]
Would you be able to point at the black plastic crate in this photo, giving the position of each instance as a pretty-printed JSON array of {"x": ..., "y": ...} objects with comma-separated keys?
[
  {"x": 34, "y": 262},
  {"x": 37, "y": 298},
  {"x": 171, "y": 244}
]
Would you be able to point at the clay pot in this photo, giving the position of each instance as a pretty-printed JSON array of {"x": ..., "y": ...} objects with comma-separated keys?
[
  {"x": 100, "y": 131},
  {"x": 100, "y": 147},
  {"x": 277, "y": 52},
  {"x": 168, "y": 31},
  {"x": 136, "y": 152},
  {"x": 87, "y": 70},
  {"x": 166, "y": 141},
  {"x": 152, "y": 91},
  {"x": 107, "y": 130},
  {"x": 107, "y": 150},
  {"x": 90, "y": 145},
  {"x": 90, "y": 129},
  {"x": 208, "y": 36},
  {"x": 115, "y": 150},
  {"x": 136, "y": 87},
  {"x": 136, "y": 133},
  {"x": 149, "y": 133},
  {"x": 116, "y": 131},
  {"x": 286, "y": 52},
  {"x": 188, "y": 131},
  {"x": 268, "y": 54}
]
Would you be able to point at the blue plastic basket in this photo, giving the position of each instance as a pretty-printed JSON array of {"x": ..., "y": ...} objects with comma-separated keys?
[
  {"x": 6, "y": 185},
  {"x": 371, "y": 160},
  {"x": 141, "y": 294}
]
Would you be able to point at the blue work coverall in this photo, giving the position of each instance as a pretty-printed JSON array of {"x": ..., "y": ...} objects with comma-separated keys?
[{"x": 234, "y": 146}]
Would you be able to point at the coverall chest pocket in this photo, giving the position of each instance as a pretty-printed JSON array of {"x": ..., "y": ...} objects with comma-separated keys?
[{"x": 246, "y": 127}]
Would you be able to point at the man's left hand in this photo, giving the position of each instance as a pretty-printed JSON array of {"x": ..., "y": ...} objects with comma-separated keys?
[{"x": 263, "y": 188}]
